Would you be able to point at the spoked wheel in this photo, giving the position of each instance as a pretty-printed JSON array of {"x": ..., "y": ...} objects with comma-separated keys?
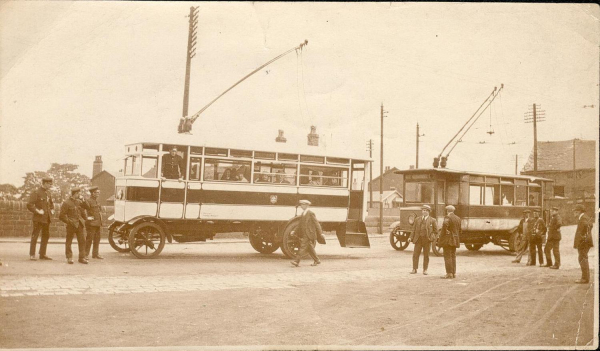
[
  {"x": 118, "y": 240},
  {"x": 438, "y": 251},
  {"x": 473, "y": 247},
  {"x": 260, "y": 243},
  {"x": 399, "y": 239},
  {"x": 514, "y": 242},
  {"x": 146, "y": 240},
  {"x": 290, "y": 245}
]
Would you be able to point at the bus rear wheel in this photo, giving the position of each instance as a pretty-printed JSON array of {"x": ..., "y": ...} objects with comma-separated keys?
[
  {"x": 473, "y": 247},
  {"x": 399, "y": 239},
  {"x": 290, "y": 245},
  {"x": 118, "y": 241},
  {"x": 514, "y": 242},
  {"x": 258, "y": 242},
  {"x": 146, "y": 240}
]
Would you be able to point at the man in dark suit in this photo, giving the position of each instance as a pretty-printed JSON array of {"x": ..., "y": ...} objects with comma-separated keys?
[
  {"x": 424, "y": 232},
  {"x": 93, "y": 223},
  {"x": 553, "y": 243},
  {"x": 308, "y": 231},
  {"x": 450, "y": 240},
  {"x": 41, "y": 205},
  {"x": 70, "y": 214},
  {"x": 583, "y": 242},
  {"x": 537, "y": 239},
  {"x": 524, "y": 230},
  {"x": 173, "y": 166}
]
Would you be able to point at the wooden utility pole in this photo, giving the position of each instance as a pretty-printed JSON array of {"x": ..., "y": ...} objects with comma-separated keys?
[
  {"x": 535, "y": 116},
  {"x": 191, "y": 52},
  {"x": 516, "y": 163},
  {"x": 418, "y": 135},
  {"x": 370, "y": 149},
  {"x": 381, "y": 178}
]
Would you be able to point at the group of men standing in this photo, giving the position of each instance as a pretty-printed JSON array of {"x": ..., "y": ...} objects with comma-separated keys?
[
  {"x": 76, "y": 212},
  {"x": 532, "y": 234}
]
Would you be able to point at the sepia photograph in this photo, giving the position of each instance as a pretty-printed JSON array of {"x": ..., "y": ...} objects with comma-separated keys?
[{"x": 299, "y": 175}]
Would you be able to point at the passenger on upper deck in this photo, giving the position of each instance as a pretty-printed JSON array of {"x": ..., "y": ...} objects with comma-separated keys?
[{"x": 173, "y": 166}]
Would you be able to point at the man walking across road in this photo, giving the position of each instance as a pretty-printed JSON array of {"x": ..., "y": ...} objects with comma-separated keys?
[
  {"x": 524, "y": 229},
  {"x": 41, "y": 205},
  {"x": 450, "y": 240},
  {"x": 537, "y": 238},
  {"x": 70, "y": 214},
  {"x": 553, "y": 243},
  {"x": 93, "y": 223},
  {"x": 583, "y": 242},
  {"x": 308, "y": 231},
  {"x": 424, "y": 232}
]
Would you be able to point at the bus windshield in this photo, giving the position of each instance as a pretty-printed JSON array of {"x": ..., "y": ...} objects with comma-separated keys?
[{"x": 418, "y": 192}]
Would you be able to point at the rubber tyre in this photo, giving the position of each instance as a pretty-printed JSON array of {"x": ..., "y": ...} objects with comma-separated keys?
[
  {"x": 514, "y": 242},
  {"x": 290, "y": 245},
  {"x": 136, "y": 236},
  {"x": 260, "y": 245},
  {"x": 396, "y": 237},
  {"x": 473, "y": 247},
  {"x": 124, "y": 247},
  {"x": 438, "y": 251}
]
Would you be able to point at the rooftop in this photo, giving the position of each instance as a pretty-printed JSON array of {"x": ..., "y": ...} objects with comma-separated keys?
[{"x": 558, "y": 155}]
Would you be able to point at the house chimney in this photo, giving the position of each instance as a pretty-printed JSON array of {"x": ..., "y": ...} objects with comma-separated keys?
[
  {"x": 313, "y": 137},
  {"x": 387, "y": 168},
  {"x": 97, "y": 166},
  {"x": 280, "y": 138}
]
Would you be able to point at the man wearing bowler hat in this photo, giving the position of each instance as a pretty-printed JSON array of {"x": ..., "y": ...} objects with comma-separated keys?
[
  {"x": 553, "y": 242},
  {"x": 41, "y": 205},
  {"x": 70, "y": 214},
  {"x": 308, "y": 230},
  {"x": 424, "y": 232},
  {"x": 450, "y": 240},
  {"x": 93, "y": 223},
  {"x": 583, "y": 242}
]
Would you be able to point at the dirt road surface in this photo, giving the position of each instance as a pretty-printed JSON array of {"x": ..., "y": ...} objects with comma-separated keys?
[{"x": 223, "y": 293}]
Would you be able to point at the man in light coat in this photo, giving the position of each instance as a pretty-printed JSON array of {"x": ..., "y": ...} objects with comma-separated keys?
[{"x": 308, "y": 231}]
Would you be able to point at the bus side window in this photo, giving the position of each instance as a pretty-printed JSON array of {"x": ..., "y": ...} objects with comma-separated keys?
[
  {"x": 508, "y": 195},
  {"x": 521, "y": 195},
  {"x": 195, "y": 168},
  {"x": 452, "y": 190}
]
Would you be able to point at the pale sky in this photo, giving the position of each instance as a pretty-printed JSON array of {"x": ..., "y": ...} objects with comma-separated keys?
[{"x": 83, "y": 79}]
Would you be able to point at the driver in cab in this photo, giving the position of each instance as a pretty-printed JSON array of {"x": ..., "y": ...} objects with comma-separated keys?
[{"x": 172, "y": 165}]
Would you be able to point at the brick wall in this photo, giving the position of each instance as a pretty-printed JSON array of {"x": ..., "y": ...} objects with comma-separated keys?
[{"x": 15, "y": 220}]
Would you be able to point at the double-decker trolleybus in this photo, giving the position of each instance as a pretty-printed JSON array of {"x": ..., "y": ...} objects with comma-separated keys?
[
  {"x": 226, "y": 189},
  {"x": 490, "y": 205}
]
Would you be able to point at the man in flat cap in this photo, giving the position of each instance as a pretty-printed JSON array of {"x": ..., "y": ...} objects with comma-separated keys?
[
  {"x": 524, "y": 230},
  {"x": 583, "y": 242},
  {"x": 308, "y": 230},
  {"x": 537, "y": 238},
  {"x": 93, "y": 223},
  {"x": 424, "y": 232},
  {"x": 41, "y": 205},
  {"x": 173, "y": 166},
  {"x": 553, "y": 243},
  {"x": 71, "y": 215},
  {"x": 450, "y": 240}
]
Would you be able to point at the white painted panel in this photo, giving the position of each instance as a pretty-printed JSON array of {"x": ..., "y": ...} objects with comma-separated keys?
[
  {"x": 134, "y": 209},
  {"x": 329, "y": 214},
  {"x": 324, "y": 191},
  {"x": 143, "y": 182},
  {"x": 229, "y": 186},
  {"x": 119, "y": 211},
  {"x": 169, "y": 210},
  {"x": 173, "y": 184},
  {"x": 192, "y": 211},
  {"x": 194, "y": 186},
  {"x": 485, "y": 224},
  {"x": 246, "y": 212},
  {"x": 120, "y": 182}
]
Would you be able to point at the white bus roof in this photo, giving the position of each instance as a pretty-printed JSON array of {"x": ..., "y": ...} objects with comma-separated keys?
[{"x": 456, "y": 171}]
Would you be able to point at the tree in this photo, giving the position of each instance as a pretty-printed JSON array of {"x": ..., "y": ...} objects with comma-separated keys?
[
  {"x": 65, "y": 178},
  {"x": 8, "y": 192}
]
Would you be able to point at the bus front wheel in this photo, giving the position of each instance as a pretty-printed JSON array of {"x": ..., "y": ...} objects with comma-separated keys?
[
  {"x": 258, "y": 242},
  {"x": 438, "y": 251},
  {"x": 399, "y": 239},
  {"x": 146, "y": 240},
  {"x": 118, "y": 241},
  {"x": 473, "y": 247}
]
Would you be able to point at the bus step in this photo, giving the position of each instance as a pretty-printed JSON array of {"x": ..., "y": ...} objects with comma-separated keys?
[{"x": 356, "y": 234}]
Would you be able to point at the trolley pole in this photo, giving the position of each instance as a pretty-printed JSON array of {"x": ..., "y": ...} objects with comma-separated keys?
[{"x": 191, "y": 52}]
